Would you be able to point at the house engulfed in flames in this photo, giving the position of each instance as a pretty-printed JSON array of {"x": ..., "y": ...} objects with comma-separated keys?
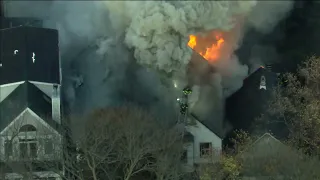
[{"x": 208, "y": 46}]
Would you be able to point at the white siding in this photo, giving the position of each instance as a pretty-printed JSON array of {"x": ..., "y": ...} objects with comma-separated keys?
[
  {"x": 202, "y": 134},
  {"x": 44, "y": 133},
  {"x": 190, "y": 158}
]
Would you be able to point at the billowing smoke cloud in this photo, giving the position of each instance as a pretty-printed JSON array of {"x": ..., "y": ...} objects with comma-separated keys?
[
  {"x": 266, "y": 15},
  {"x": 158, "y": 31},
  {"x": 100, "y": 70},
  {"x": 264, "y": 18}
]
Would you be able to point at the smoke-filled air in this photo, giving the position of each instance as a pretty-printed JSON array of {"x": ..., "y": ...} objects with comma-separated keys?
[{"x": 146, "y": 52}]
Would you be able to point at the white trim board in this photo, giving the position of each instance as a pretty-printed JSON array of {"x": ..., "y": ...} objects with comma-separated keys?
[
  {"x": 44, "y": 87},
  {"x": 7, "y": 89}
]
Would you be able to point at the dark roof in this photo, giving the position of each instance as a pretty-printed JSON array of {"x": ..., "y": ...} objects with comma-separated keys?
[
  {"x": 250, "y": 101},
  {"x": 1, "y": 8},
  {"x": 26, "y": 95},
  {"x": 198, "y": 72},
  {"x": 20, "y": 66},
  {"x": 213, "y": 126},
  {"x": 9, "y": 22}
]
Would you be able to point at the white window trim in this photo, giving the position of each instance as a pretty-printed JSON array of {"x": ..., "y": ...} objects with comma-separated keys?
[{"x": 28, "y": 148}]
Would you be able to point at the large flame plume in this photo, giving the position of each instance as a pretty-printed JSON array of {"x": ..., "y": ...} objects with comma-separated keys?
[{"x": 208, "y": 46}]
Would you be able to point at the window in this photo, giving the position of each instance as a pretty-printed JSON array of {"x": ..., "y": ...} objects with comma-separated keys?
[
  {"x": 8, "y": 148},
  {"x": 184, "y": 156},
  {"x": 28, "y": 148},
  {"x": 23, "y": 149},
  {"x": 48, "y": 147},
  {"x": 205, "y": 149},
  {"x": 27, "y": 128},
  {"x": 33, "y": 149}
]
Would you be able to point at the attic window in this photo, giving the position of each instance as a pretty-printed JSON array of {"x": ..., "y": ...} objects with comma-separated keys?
[
  {"x": 15, "y": 52},
  {"x": 27, "y": 128},
  {"x": 205, "y": 149}
]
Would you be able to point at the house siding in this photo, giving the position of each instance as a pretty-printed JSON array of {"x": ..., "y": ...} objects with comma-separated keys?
[
  {"x": 202, "y": 134},
  {"x": 42, "y": 135}
]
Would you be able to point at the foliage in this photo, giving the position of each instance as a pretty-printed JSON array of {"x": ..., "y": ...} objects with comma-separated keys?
[
  {"x": 228, "y": 165},
  {"x": 296, "y": 102}
]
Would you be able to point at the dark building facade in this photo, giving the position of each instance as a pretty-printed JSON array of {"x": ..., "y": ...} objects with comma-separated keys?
[
  {"x": 32, "y": 53},
  {"x": 249, "y": 102}
]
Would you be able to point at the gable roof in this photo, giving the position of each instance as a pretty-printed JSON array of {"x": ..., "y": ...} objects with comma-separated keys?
[
  {"x": 268, "y": 137},
  {"x": 26, "y": 95},
  {"x": 209, "y": 123},
  {"x": 249, "y": 101},
  {"x": 268, "y": 143},
  {"x": 254, "y": 78}
]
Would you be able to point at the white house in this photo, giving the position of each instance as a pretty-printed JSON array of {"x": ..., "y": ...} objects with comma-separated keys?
[
  {"x": 203, "y": 138},
  {"x": 30, "y": 127}
]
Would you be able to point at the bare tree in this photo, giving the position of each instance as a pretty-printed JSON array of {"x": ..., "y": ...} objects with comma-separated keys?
[
  {"x": 24, "y": 149},
  {"x": 128, "y": 143}
]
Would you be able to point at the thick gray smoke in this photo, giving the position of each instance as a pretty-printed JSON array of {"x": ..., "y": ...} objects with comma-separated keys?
[
  {"x": 266, "y": 14},
  {"x": 264, "y": 17},
  {"x": 159, "y": 31},
  {"x": 99, "y": 70}
]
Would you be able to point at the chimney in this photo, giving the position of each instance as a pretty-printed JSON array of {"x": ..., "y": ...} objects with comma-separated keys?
[{"x": 55, "y": 101}]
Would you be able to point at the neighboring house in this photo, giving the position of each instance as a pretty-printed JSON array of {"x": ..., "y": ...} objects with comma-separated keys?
[
  {"x": 269, "y": 158},
  {"x": 250, "y": 101},
  {"x": 30, "y": 135},
  {"x": 203, "y": 138}
]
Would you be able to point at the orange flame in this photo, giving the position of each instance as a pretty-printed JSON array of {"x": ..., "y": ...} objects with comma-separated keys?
[{"x": 208, "y": 47}]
